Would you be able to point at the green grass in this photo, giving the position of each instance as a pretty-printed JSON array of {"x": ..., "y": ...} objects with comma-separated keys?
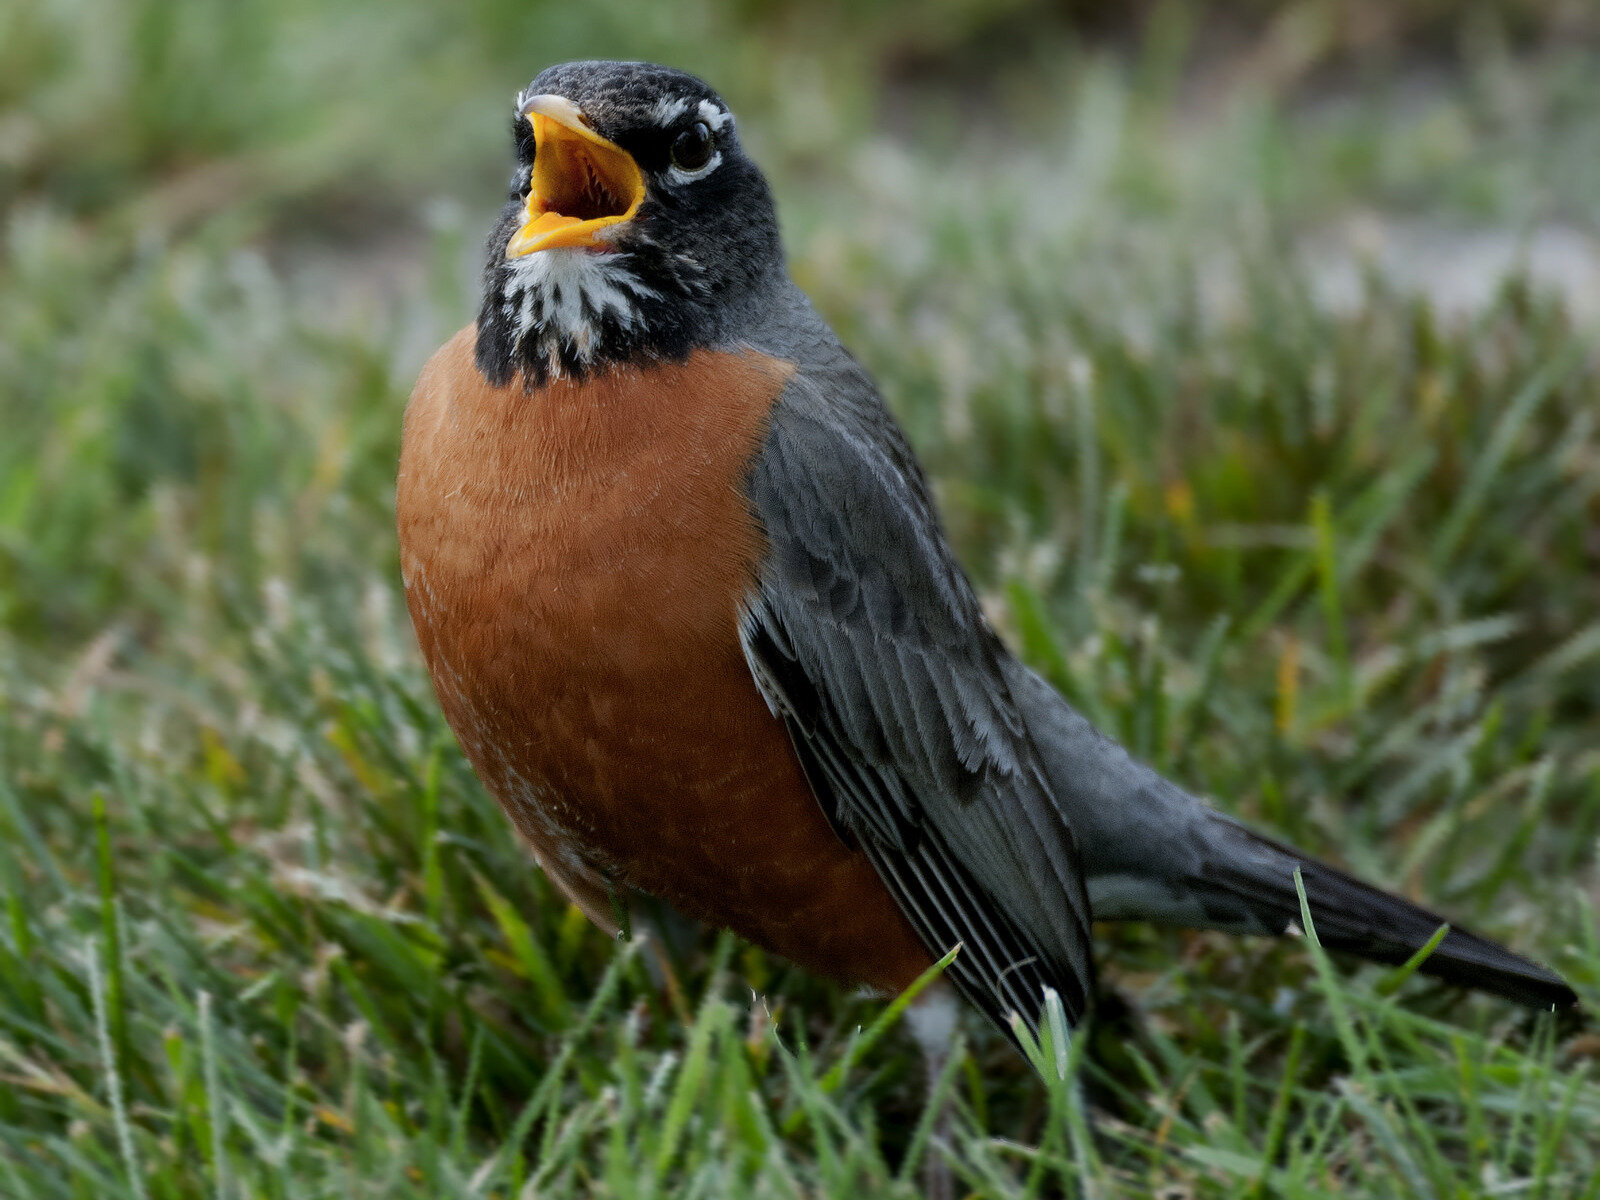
[{"x": 264, "y": 934}]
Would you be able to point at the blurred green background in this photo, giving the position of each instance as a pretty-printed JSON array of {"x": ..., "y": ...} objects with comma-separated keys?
[{"x": 1251, "y": 346}]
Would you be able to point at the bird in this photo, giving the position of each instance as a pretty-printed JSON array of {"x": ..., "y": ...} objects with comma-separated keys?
[{"x": 687, "y": 604}]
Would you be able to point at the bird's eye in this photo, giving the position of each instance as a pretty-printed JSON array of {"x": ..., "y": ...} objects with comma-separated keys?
[{"x": 691, "y": 149}]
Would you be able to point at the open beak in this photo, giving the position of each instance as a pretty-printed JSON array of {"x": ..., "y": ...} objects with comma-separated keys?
[{"x": 582, "y": 184}]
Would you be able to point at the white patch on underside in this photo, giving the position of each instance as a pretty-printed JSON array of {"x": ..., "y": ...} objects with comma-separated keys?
[
  {"x": 566, "y": 292},
  {"x": 932, "y": 1018}
]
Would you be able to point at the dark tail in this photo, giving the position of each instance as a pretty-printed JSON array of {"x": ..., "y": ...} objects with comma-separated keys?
[
  {"x": 1360, "y": 919},
  {"x": 1160, "y": 854}
]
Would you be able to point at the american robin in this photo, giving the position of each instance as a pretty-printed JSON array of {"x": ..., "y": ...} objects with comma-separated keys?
[{"x": 687, "y": 605}]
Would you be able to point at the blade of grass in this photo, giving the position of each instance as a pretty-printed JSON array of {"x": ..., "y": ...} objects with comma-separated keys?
[
  {"x": 108, "y": 1064},
  {"x": 1395, "y": 979},
  {"x": 1475, "y": 491}
]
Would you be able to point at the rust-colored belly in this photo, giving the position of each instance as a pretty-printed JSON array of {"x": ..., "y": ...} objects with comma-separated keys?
[{"x": 574, "y": 558}]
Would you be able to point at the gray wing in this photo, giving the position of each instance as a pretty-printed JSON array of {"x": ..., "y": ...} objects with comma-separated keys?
[{"x": 866, "y": 638}]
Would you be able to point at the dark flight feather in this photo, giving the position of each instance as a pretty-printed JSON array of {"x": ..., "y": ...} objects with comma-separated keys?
[{"x": 866, "y": 638}]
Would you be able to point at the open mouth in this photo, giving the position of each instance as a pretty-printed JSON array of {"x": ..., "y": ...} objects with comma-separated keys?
[{"x": 581, "y": 186}]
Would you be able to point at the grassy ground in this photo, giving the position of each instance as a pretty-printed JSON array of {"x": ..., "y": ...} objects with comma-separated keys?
[{"x": 1334, "y": 564}]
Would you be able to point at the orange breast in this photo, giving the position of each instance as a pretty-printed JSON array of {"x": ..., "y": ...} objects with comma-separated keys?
[{"x": 574, "y": 559}]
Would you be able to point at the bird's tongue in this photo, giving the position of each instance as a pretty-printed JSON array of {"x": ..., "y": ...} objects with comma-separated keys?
[{"x": 548, "y": 223}]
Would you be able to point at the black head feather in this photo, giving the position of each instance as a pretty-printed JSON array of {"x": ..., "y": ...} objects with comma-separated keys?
[{"x": 679, "y": 274}]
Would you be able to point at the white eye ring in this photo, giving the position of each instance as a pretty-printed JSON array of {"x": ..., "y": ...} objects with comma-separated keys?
[
  {"x": 692, "y": 142},
  {"x": 678, "y": 176}
]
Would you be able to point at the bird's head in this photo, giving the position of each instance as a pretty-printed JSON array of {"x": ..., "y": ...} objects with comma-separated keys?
[{"x": 636, "y": 226}]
